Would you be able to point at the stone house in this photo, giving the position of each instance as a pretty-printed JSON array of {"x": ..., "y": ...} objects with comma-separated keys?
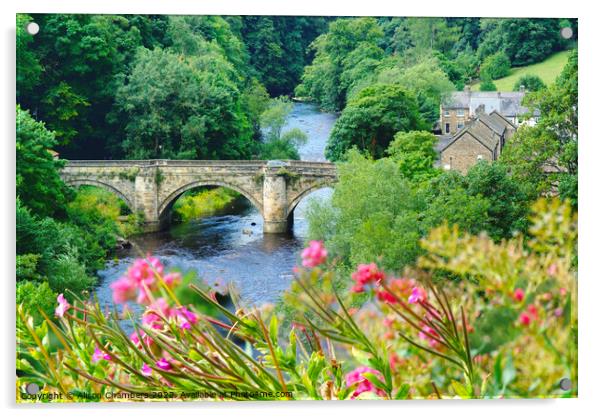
[
  {"x": 461, "y": 106},
  {"x": 483, "y": 138}
]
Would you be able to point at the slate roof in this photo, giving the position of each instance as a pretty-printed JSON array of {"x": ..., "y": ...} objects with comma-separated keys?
[
  {"x": 486, "y": 129},
  {"x": 507, "y": 103}
]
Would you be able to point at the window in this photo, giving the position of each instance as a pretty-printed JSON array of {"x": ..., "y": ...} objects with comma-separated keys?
[
  {"x": 446, "y": 113},
  {"x": 460, "y": 126},
  {"x": 460, "y": 113},
  {"x": 446, "y": 127}
]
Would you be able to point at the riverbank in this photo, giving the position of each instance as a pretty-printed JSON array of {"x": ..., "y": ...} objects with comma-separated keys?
[{"x": 203, "y": 203}]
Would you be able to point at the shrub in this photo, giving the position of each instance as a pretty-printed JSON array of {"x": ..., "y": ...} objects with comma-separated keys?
[
  {"x": 487, "y": 85},
  {"x": 67, "y": 273},
  {"x": 495, "y": 66},
  {"x": 36, "y": 296},
  {"x": 26, "y": 266},
  {"x": 530, "y": 82},
  {"x": 197, "y": 204}
]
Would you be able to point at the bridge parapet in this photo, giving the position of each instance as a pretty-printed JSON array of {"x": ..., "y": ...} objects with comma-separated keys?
[{"x": 152, "y": 186}]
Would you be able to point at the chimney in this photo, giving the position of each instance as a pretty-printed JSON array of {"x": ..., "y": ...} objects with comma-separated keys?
[{"x": 522, "y": 89}]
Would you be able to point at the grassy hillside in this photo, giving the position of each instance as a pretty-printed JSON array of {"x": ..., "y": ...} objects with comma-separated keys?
[{"x": 547, "y": 70}]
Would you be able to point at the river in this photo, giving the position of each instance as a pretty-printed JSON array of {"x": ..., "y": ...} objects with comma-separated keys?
[{"x": 258, "y": 265}]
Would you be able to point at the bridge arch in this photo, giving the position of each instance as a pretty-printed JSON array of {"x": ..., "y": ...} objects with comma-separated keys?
[
  {"x": 168, "y": 202},
  {"x": 105, "y": 186},
  {"x": 314, "y": 187}
]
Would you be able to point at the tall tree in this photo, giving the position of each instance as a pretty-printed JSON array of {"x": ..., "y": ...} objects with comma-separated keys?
[
  {"x": 322, "y": 79},
  {"x": 179, "y": 106},
  {"x": 545, "y": 155},
  {"x": 278, "y": 48},
  {"x": 371, "y": 119},
  {"x": 39, "y": 186}
]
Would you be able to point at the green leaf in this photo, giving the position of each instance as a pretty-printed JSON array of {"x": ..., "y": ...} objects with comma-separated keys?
[
  {"x": 403, "y": 392},
  {"x": 274, "y": 329},
  {"x": 461, "y": 389},
  {"x": 375, "y": 380}
]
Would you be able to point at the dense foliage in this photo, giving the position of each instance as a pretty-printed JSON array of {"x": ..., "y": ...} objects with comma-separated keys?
[
  {"x": 487, "y": 85},
  {"x": 546, "y": 155},
  {"x": 495, "y": 66},
  {"x": 63, "y": 236},
  {"x": 382, "y": 208},
  {"x": 371, "y": 120},
  {"x": 524, "y": 41},
  {"x": 85, "y": 77},
  {"x": 38, "y": 183},
  {"x": 277, "y": 143},
  {"x": 529, "y": 82},
  {"x": 278, "y": 48}
]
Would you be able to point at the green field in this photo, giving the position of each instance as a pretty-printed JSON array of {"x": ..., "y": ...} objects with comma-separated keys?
[{"x": 547, "y": 70}]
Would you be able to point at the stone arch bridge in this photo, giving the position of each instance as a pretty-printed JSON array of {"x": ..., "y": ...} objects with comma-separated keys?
[{"x": 152, "y": 186}]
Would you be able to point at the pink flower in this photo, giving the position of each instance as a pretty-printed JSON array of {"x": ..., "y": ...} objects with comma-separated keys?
[
  {"x": 136, "y": 340},
  {"x": 123, "y": 290},
  {"x": 366, "y": 274},
  {"x": 163, "y": 364},
  {"x": 152, "y": 319},
  {"x": 187, "y": 317},
  {"x": 357, "y": 288},
  {"x": 313, "y": 255},
  {"x": 62, "y": 307},
  {"x": 172, "y": 279},
  {"x": 386, "y": 297},
  {"x": 519, "y": 294},
  {"x": 532, "y": 310},
  {"x": 418, "y": 295},
  {"x": 357, "y": 375},
  {"x": 146, "y": 370},
  {"x": 426, "y": 334},
  {"x": 161, "y": 306},
  {"x": 558, "y": 312},
  {"x": 100, "y": 355},
  {"x": 524, "y": 319}
]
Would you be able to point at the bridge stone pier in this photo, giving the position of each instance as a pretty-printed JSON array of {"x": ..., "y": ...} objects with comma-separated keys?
[{"x": 151, "y": 187}]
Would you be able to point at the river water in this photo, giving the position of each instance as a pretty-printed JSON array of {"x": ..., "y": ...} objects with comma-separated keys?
[{"x": 258, "y": 265}]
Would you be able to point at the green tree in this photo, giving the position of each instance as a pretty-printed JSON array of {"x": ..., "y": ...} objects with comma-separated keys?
[
  {"x": 433, "y": 33},
  {"x": 179, "y": 106},
  {"x": 415, "y": 153},
  {"x": 430, "y": 85},
  {"x": 372, "y": 118},
  {"x": 28, "y": 65},
  {"x": 322, "y": 79},
  {"x": 278, "y": 46},
  {"x": 83, "y": 57},
  {"x": 545, "y": 155},
  {"x": 530, "y": 82},
  {"x": 377, "y": 213},
  {"x": 39, "y": 185},
  {"x": 509, "y": 200},
  {"x": 495, "y": 66},
  {"x": 487, "y": 85},
  {"x": 525, "y": 41},
  {"x": 278, "y": 144}
]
